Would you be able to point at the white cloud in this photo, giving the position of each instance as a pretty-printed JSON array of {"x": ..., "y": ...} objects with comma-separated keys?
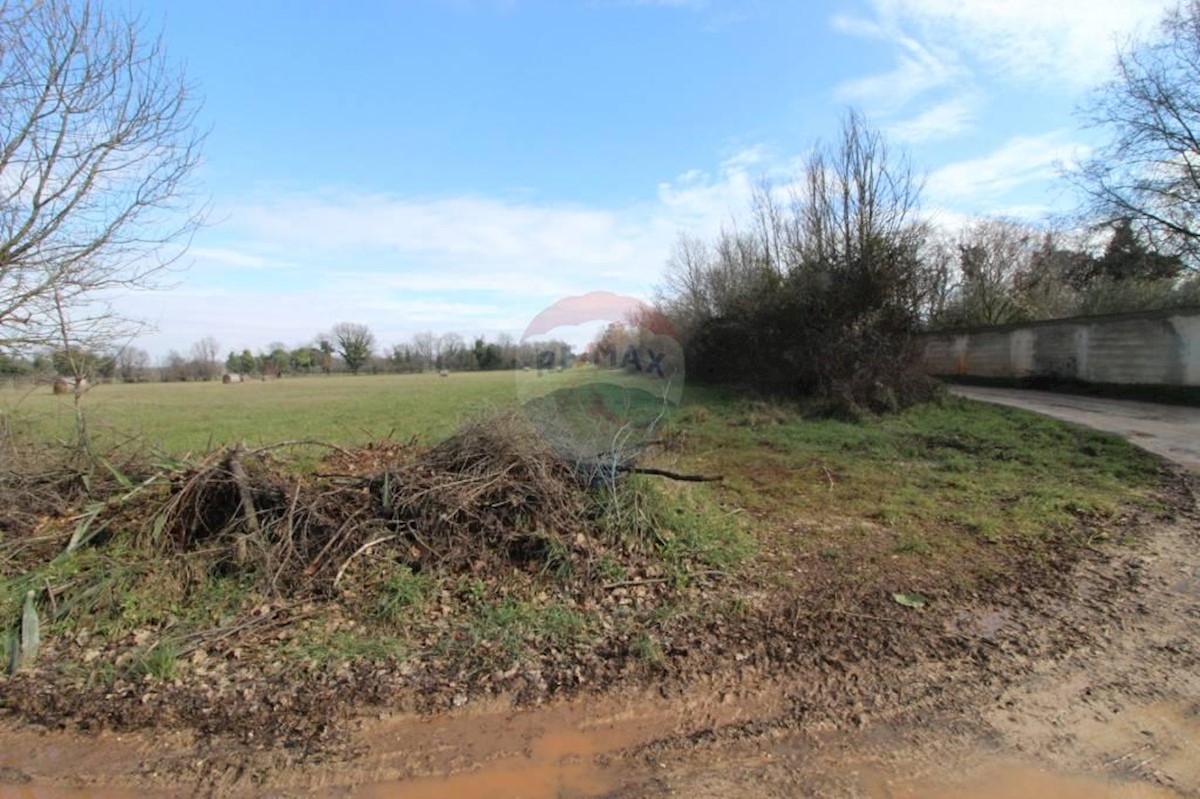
[
  {"x": 501, "y": 283},
  {"x": 401, "y": 264},
  {"x": 490, "y": 237},
  {"x": 858, "y": 26},
  {"x": 950, "y": 54},
  {"x": 942, "y": 121},
  {"x": 1040, "y": 42},
  {"x": 229, "y": 257},
  {"x": 1033, "y": 41},
  {"x": 980, "y": 184},
  {"x": 919, "y": 69},
  {"x": 470, "y": 227}
]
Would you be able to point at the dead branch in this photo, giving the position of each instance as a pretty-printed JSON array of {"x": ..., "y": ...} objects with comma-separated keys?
[
  {"x": 333, "y": 539},
  {"x": 299, "y": 442},
  {"x": 279, "y": 617},
  {"x": 247, "y": 499},
  {"x": 687, "y": 478},
  {"x": 342, "y": 571},
  {"x": 633, "y": 583}
]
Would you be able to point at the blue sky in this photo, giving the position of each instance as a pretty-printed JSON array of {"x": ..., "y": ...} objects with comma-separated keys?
[{"x": 458, "y": 165}]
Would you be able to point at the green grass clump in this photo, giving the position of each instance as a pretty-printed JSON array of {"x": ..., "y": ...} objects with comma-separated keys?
[
  {"x": 683, "y": 524},
  {"x": 401, "y": 593},
  {"x": 648, "y": 650},
  {"x": 161, "y": 662},
  {"x": 516, "y": 629}
]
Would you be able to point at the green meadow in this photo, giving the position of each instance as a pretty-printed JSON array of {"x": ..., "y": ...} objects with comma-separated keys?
[{"x": 344, "y": 410}]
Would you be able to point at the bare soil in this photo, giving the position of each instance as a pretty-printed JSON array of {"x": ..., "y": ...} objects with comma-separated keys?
[{"x": 1080, "y": 677}]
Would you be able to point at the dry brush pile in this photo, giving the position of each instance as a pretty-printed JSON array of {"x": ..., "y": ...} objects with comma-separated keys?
[
  {"x": 495, "y": 495},
  {"x": 492, "y": 495}
]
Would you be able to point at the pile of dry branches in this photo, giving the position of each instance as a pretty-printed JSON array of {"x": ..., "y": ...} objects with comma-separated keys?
[
  {"x": 494, "y": 489},
  {"x": 494, "y": 494}
]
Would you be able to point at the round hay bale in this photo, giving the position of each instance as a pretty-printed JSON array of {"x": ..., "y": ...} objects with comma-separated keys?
[
  {"x": 226, "y": 379},
  {"x": 62, "y": 386},
  {"x": 443, "y": 373}
]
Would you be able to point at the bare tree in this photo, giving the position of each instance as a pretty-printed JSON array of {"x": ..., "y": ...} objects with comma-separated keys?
[
  {"x": 173, "y": 367},
  {"x": 818, "y": 295},
  {"x": 859, "y": 201},
  {"x": 992, "y": 254},
  {"x": 325, "y": 346},
  {"x": 1149, "y": 173},
  {"x": 688, "y": 284},
  {"x": 354, "y": 343},
  {"x": 97, "y": 143},
  {"x": 425, "y": 348},
  {"x": 204, "y": 353},
  {"x": 132, "y": 364},
  {"x": 1003, "y": 270},
  {"x": 450, "y": 350},
  {"x": 937, "y": 280}
]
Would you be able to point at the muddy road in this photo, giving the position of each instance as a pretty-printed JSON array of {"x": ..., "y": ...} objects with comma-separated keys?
[{"x": 1092, "y": 693}]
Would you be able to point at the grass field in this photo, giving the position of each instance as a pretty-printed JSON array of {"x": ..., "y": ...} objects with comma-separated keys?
[
  {"x": 183, "y": 417},
  {"x": 948, "y": 484}
]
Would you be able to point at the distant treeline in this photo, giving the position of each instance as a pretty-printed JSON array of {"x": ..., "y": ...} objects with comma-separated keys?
[{"x": 326, "y": 354}]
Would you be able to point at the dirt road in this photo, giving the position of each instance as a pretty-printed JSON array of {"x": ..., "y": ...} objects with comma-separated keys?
[{"x": 1171, "y": 431}]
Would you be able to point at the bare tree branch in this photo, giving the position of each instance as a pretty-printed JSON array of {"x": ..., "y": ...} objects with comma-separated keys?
[
  {"x": 98, "y": 142},
  {"x": 1149, "y": 172}
]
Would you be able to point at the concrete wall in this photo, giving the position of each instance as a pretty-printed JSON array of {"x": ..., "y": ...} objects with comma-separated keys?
[{"x": 1152, "y": 348}]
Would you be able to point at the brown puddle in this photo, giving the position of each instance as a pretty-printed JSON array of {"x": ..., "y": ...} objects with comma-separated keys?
[
  {"x": 25, "y": 760},
  {"x": 560, "y": 765},
  {"x": 548, "y": 753},
  {"x": 42, "y": 792},
  {"x": 560, "y": 753}
]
